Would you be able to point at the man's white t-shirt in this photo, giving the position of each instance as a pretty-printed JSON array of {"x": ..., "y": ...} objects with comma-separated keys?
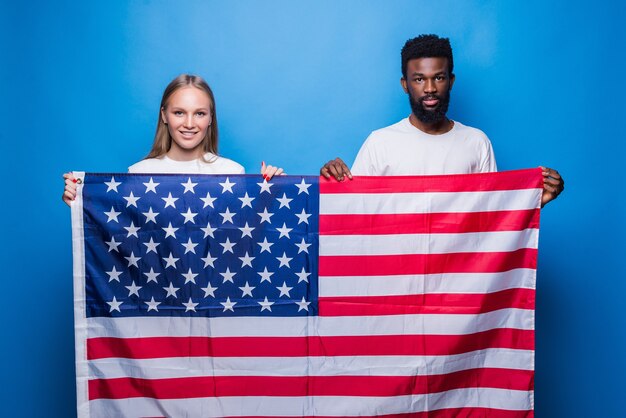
[
  {"x": 403, "y": 150},
  {"x": 215, "y": 165}
]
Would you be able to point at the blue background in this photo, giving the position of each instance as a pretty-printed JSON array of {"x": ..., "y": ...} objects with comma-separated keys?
[{"x": 298, "y": 83}]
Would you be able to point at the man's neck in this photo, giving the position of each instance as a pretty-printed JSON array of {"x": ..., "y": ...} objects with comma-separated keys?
[{"x": 436, "y": 128}]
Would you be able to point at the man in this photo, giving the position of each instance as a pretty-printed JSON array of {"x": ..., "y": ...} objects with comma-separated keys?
[{"x": 427, "y": 142}]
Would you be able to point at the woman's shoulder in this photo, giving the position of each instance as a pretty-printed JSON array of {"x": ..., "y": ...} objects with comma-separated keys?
[
  {"x": 149, "y": 165},
  {"x": 223, "y": 165}
]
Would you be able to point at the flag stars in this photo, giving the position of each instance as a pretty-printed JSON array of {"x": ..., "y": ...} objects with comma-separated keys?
[
  {"x": 228, "y": 276},
  {"x": 265, "y": 275},
  {"x": 113, "y": 244},
  {"x": 303, "y": 247},
  {"x": 228, "y": 246},
  {"x": 112, "y": 215},
  {"x": 190, "y": 247},
  {"x": 170, "y": 231},
  {"x": 132, "y": 230},
  {"x": 151, "y": 245},
  {"x": 189, "y": 186},
  {"x": 131, "y": 200},
  {"x": 132, "y": 260},
  {"x": 265, "y": 245},
  {"x": 247, "y": 290},
  {"x": 114, "y": 275},
  {"x": 227, "y": 186},
  {"x": 265, "y": 187},
  {"x": 152, "y": 305},
  {"x": 208, "y": 200},
  {"x": 170, "y": 201},
  {"x": 133, "y": 289},
  {"x": 150, "y": 215},
  {"x": 151, "y": 186},
  {"x": 284, "y": 231},
  {"x": 246, "y": 201},
  {"x": 246, "y": 260},
  {"x": 151, "y": 275},
  {"x": 208, "y": 231},
  {"x": 303, "y": 304},
  {"x": 284, "y": 290},
  {"x": 190, "y": 276},
  {"x": 227, "y": 216},
  {"x": 266, "y": 305},
  {"x": 208, "y": 260},
  {"x": 284, "y": 201},
  {"x": 190, "y": 306},
  {"x": 303, "y": 217},
  {"x": 303, "y": 276},
  {"x": 265, "y": 216},
  {"x": 114, "y": 304},
  {"x": 228, "y": 305},
  {"x": 246, "y": 231},
  {"x": 209, "y": 290},
  {"x": 303, "y": 187},
  {"x": 170, "y": 261},
  {"x": 284, "y": 260},
  {"x": 171, "y": 290},
  {"x": 189, "y": 216},
  {"x": 112, "y": 185}
]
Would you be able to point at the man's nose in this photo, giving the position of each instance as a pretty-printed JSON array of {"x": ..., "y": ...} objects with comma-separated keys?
[{"x": 430, "y": 86}]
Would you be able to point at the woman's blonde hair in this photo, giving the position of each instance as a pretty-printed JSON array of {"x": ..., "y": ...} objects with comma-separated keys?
[{"x": 162, "y": 139}]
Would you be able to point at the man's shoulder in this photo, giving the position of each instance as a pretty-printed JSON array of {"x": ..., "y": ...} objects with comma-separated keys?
[{"x": 469, "y": 131}]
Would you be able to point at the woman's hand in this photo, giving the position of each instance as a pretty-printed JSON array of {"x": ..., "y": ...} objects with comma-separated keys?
[
  {"x": 270, "y": 171},
  {"x": 69, "y": 194}
]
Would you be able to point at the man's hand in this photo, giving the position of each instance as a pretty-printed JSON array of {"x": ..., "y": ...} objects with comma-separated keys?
[
  {"x": 336, "y": 168},
  {"x": 553, "y": 185}
]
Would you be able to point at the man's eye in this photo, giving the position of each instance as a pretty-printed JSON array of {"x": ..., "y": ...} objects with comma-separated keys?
[
  {"x": 419, "y": 79},
  {"x": 439, "y": 78}
]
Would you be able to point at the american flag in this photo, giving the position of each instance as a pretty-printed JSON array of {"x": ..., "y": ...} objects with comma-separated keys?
[{"x": 215, "y": 296}]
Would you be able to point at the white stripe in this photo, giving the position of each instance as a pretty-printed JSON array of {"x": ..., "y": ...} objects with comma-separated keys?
[
  {"x": 314, "y": 405},
  {"x": 469, "y": 242},
  {"x": 431, "y": 324},
  {"x": 80, "y": 324},
  {"x": 445, "y": 202},
  {"x": 164, "y": 368},
  {"x": 415, "y": 284}
]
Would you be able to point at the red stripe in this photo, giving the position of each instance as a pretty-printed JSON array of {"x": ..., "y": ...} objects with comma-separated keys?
[
  {"x": 506, "y": 180},
  {"x": 389, "y": 265},
  {"x": 217, "y": 386},
  {"x": 439, "y": 413},
  {"x": 367, "y": 345},
  {"x": 443, "y": 303},
  {"x": 428, "y": 223}
]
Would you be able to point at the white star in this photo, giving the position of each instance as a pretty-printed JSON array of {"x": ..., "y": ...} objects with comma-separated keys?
[
  {"x": 227, "y": 185},
  {"x": 189, "y": 215},
  {"x": 169, "y": 200},
  {"x": 228, "y": 276},
  {"x": 170, "y": 231},
  {"x": 112, "y": 215},
  {"x": 114, "y": 274},
  {"x": 190, "y": 276},
  {"x": 303, "y": 187},
  {"x": 114, "y": 304},
  {"x": 190, "y": 305},
  {"x": 266, "y": 305},
  {"x": 303, "y": 304},
  {"x": 208, "y": 260},
  {"x": 151, "y": 275},
  {"x": 132, "y": 229},
  {"x": 150, "y": 215},
  {"x": 171, "y": 261},
  {"x": 152, "y": 305},
  {"x": 284, "y": 231},
  {"x": 303, "y": 246},
  {"x": 246, "y": 231},
  {"x": 246, "y": 290},
  {"x": 246, "y": 200},
  {"x": 284, "y": 260},
  {"x": 265, "y": 246},
  {"x": 303, "y": 276},
  {"x": 190, "y": 247},
  {"x": 284, "y": 201},
  {"x": 132, "y": 260},
  {"x": 189, "y": 186},
  {"x": 284, "y": 290},
  {"x": 151, "y": 246},
  {"x": 151, "y": 186},
  {"x": 265, "y": 216},
  {"x": 228, "y": 246},
  {"x": 208, "y": 200},
  {"x": 133, "y": 289},
  {"x": 228, "y": 216},
  {"x": 246, "y": 260},
  {"x": 112, "y": 185},
  {"x": 209, "y": 290},
  {"x": 171, "y": 290},
  {"x": 265, "y": 275},
  {"x": 228, "y": 305},
  {"x": 265, "y": 187},
  {"x": 303, "y": 217},
  {"x": 131, "y": 200},
  {"x": 208, "y": 231},
  {"x": 113, "y": 244}
]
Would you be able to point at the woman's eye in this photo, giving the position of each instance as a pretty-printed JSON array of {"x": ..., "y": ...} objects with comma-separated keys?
[
  {"x": 178, "y": 113},
  {"x": 201, "y": 114}
]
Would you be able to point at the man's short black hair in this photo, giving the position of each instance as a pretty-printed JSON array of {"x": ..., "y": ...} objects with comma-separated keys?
[{"x": 426, "y": 46}]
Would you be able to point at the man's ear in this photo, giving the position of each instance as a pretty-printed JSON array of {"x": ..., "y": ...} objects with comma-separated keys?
[
  {"x": 452, "y": 78},
  {"x": 403, "y": 84}
]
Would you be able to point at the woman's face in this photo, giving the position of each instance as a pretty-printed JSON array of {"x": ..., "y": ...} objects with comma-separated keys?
[{"x": 188, "y": 117}]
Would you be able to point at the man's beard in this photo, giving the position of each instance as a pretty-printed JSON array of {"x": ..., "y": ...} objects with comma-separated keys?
[{"x": 435, "y": 115}]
